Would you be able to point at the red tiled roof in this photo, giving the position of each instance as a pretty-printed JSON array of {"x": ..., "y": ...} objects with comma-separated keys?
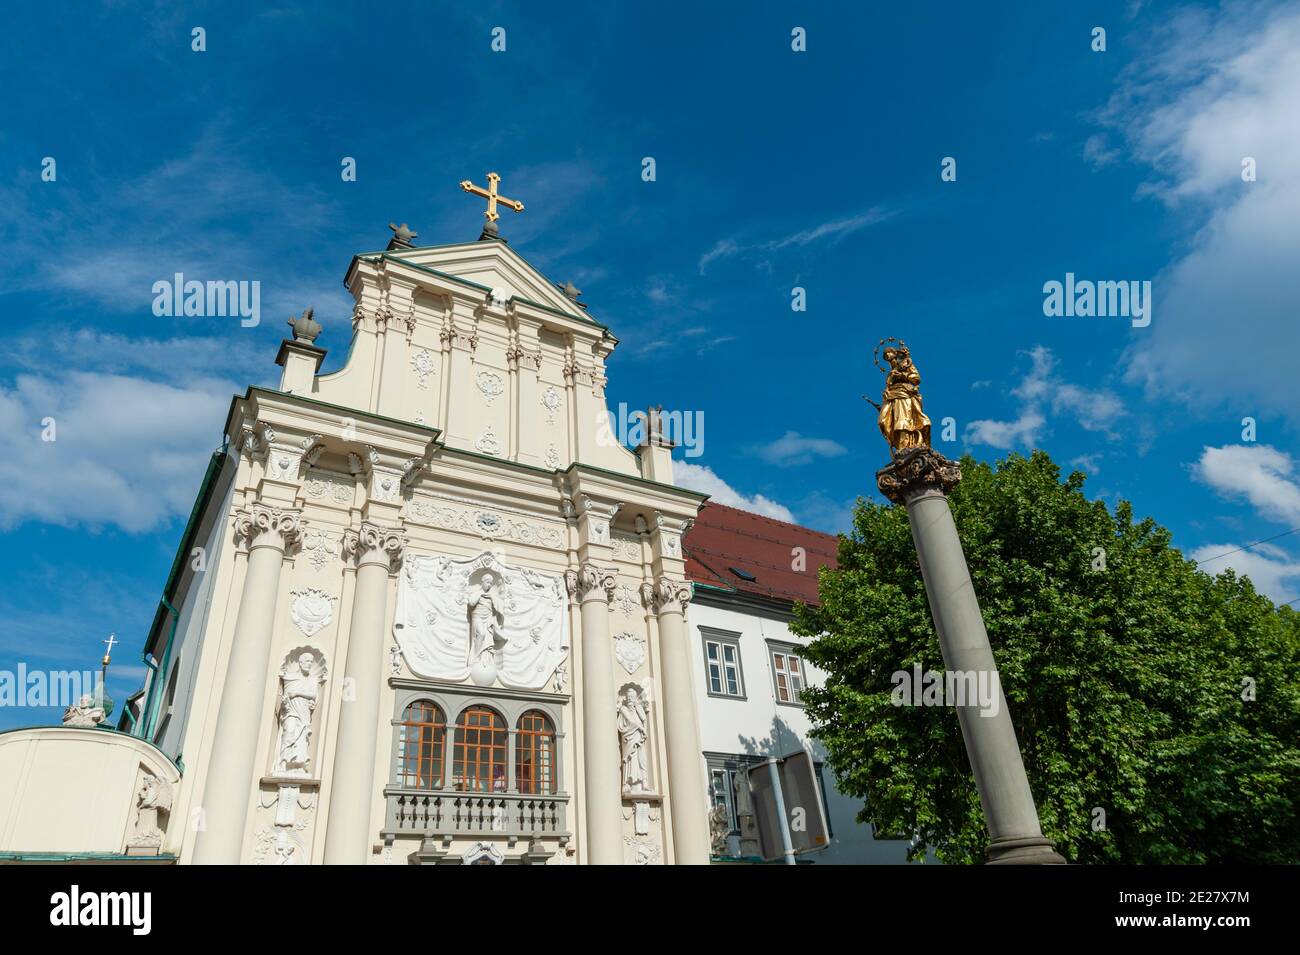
[{"x": 724, "y": 538}]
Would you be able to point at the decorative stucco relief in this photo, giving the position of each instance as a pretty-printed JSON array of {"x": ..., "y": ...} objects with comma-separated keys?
[
  {"x": 312, "y": 610},
  {"x": 626, "y": 548},
  {"x": 490, "y": 525},
  {"x": 423, "y": 363},
  {"x": 481, "y": 619},
  {"x": 329, "y": 486}
]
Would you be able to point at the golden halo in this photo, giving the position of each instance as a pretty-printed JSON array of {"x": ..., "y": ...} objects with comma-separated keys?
[{"x": 875, "y": 355}]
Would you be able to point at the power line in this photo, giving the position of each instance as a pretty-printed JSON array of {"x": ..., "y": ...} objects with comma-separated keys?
[{"x": 1247, "y": 547}]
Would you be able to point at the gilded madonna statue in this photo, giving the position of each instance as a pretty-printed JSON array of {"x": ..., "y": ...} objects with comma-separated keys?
[{"x": 900, "y": 417}]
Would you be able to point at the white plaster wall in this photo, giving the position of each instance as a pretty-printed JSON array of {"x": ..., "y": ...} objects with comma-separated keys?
[{"x": 760, "y": 725}]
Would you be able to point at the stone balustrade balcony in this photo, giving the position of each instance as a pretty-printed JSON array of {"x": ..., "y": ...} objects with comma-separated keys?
[{"x": 493, "y": 815}]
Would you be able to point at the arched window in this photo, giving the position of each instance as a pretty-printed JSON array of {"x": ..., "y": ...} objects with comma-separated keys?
[
  {"x": 535, "y": 754},
  {"x": 421, "y": 746},
  {"x": 479, "y": 761}
]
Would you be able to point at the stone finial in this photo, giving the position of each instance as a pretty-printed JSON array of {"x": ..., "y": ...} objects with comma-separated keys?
[
  {"x": 402, "y": 236},
  {"x": 305, "y": 328}
]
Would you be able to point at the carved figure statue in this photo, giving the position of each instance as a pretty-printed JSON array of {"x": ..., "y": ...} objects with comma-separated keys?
[
  {"x": 83, "y": 713},
  {"x": 485, "y": 620},
  {"x": 633, "y": 731},
  {"x": 302, "y": 679}
]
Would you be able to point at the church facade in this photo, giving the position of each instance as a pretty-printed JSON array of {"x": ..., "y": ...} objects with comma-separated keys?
[{"x": 426, "y": 610}]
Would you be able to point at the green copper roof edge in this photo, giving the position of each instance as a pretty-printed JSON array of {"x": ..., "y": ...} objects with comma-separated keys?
[
  {"x": 722, "y": 590},
  {"x": 354, "y": 412},
  {"x": 98, "y": 729},
  {"x": 577, "y": 464},
  {"x": 555, "y": 311},
  {"x": 196, "y": 512},
  {"x": 640, "y": 480},
  {"x": 348, "y": 412},
  {"x": 191, "y": 528},
  {"x": 431, "y": 270},
  {"x": 72, "y": 856}
]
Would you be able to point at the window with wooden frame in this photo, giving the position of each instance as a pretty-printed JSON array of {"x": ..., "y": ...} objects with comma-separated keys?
[
  {"x": 535, "y": 754},
  {"x": 421, "y": 746},
  {"x": 787, "y": 672},
  {"x": 722, "y": 669},
  {"x": 479, "y": 755}
]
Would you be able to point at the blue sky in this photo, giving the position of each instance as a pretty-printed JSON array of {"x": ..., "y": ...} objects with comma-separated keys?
[{"x": 774, "y": 169}]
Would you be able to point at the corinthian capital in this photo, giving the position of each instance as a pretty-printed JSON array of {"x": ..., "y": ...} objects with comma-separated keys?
[
  {"x": 671, "y": 596},
  {"x": 266, "y": 526},
  {"x": 372, "y": 543},
  {"x": 590, "y": 579},
  {"x": 918, "y": 471}
]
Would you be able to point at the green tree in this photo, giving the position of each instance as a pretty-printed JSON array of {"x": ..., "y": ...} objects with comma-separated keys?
[{"x": 1125, "y": 684}]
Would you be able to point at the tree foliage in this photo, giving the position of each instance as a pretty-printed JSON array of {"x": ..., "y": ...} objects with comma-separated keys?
[{"x": 1125, "y": 684}]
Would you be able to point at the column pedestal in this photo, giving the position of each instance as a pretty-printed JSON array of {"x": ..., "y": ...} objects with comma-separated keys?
[{"x": 921, "y": 479}]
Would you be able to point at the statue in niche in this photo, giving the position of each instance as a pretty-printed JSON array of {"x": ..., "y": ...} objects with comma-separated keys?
[
  {"x": 302, "y": 678},
  {"x": 485, "y": 624},
  {"x": 633, "y": 732}
]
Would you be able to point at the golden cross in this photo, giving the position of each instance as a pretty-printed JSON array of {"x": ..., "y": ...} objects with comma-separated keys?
[{"x": 490, "y": 194}]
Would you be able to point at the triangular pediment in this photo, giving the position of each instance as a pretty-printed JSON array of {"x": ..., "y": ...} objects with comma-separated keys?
[{"x": 494, "y": 265}]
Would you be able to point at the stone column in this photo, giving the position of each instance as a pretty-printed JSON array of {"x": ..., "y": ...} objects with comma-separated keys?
[
  {"x": 681, "y": 727},
  {"x": 352, "y": 784},
  {"x": 602, "y": 783},
  {"x": 921, "y": 480},
  {"x": 228, "y": 790}
]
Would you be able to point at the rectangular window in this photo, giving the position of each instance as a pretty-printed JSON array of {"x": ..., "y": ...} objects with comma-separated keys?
[
  {"x": 722, "y": 664},
  {"x": 721, "y": 789},
  {"x": 787, "y": 673}
]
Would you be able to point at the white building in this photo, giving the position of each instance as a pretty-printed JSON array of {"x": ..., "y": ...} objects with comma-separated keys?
[{"x": 747, "y": 572}]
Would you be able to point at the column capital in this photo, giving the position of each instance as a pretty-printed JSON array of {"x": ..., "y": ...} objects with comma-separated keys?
[
  {"x": 589, "y": 581},
  {"x": 260, "y": 525},
  {"x": 374, "y": 544},
  {"x": 669, "y": 596},
  {"x": 916, "y": 472}
]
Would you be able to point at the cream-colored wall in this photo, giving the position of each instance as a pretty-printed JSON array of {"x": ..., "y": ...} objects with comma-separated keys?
[
  {"x": 70, "y": 790},
  {"x": 339, "y": 457}
]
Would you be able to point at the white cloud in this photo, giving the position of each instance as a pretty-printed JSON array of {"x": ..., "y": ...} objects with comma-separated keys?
[
  {"x": 129, "y": 450},
  {"x": 1261, "y": 474},
  {"x": 1086, "y": 463},
  {"x": 1097, "y": 153},
  {"x": 721, "y": 249},
  {"x": 833, "y": 230},
  {"x": 1005, "y": 435},
  {"x": 186, "y": 214},
  {"x": 1211, "y": 89},
  {"x": 1274, "y": 573},
  {"x": 793, "y": 448},
  {"x": 1039, "y": 391},
  {"x": 700, "y": 477}
]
